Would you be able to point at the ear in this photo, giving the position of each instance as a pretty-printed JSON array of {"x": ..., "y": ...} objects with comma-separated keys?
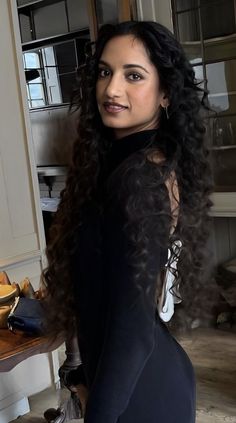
[{"x": 164, "y": 101}]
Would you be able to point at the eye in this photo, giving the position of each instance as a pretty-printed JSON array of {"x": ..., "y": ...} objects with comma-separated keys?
[
  {"x": 134, "y": 76},
  {"x": 103, "y": 72}
]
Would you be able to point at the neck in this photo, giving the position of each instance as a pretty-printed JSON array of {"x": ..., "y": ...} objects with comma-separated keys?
[
  {"x": 121, "y": 133},
  {"x": 122, "y": 148}
]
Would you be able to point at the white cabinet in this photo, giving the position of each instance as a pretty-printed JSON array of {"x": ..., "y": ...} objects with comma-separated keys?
[
  {"x": 21, "y": 226},
  {"x": 22, "y": 237}
]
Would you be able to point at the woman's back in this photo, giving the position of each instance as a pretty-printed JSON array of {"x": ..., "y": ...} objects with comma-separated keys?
[{"x": 131, "y": 362}]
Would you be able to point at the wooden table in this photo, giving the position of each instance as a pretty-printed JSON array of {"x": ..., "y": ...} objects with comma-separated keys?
[{"x": 15, "y": 348}]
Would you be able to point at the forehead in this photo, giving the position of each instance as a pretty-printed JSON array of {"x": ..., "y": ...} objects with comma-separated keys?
[{"x": 125, "y": 49}]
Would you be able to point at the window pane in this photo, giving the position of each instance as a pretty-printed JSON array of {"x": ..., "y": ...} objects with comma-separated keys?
[
  {"x": 193, "y": 51},
  {"x": 38, "y": 103},
  {"x": 54, "y": 93},
  {"x": 52, "y": 83},
  {"x": 218, "y": 19},
  {"x": 221, "y": 77},
  {"x": 223, "y": 130},
  {"x": 48, "y": 56},
  {"x": 80, "y": 49},
  {"x": 224, "y": 169},
  {"x": 223, "y": 103},
  {"x": 199, "y": 75},
  {"x": 36, "y": 91},
  {"x": 65, "y": 57},
  {"x": 31, "y": 60},
  {"x": 218, "y": 86},
  {"x": 33, "y": 75},
  {"x": 219, "y": 102},
  {"x": 188, "y": 24},
  {"x": 67, "y": 83}
]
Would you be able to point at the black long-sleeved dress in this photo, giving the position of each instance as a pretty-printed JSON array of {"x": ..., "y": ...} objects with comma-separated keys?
[{"x": 134, "y": 369}]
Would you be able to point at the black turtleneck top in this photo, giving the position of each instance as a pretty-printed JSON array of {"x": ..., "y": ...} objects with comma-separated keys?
[
  {"x": 126, "y": 146},
  {"x": 116, "y": 310}
]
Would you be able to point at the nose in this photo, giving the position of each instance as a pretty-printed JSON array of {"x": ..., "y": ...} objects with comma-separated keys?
[{"x": 114, "y": 86}]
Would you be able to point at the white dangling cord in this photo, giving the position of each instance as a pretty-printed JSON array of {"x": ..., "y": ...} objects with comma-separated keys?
[{"x": 168, "y": 299}]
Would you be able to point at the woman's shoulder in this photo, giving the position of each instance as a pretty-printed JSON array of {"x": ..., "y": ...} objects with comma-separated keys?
[
  {"x": 137, "y": 169},
  {"x": 139, "y": 180}
]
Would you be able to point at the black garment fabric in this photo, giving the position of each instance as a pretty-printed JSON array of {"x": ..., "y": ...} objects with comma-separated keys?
[{"x": 135, "y": 370}]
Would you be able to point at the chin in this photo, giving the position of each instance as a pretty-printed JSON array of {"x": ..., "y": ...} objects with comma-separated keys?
[{"x": 110, "y": 123}]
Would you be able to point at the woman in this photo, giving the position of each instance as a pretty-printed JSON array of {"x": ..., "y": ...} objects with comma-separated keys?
[{"x": 137, "y": 195}]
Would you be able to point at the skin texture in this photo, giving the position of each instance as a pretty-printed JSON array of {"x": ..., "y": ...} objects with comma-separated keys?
[{"x": 135, "y": 88}]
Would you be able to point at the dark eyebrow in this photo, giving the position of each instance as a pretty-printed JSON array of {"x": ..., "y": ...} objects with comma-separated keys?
[{"x": 128, "y": 66}]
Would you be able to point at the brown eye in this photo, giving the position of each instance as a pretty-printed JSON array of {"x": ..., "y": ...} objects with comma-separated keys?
[
  {"x": 103, "y": 73},
  {"x": 134, "y": 76}
]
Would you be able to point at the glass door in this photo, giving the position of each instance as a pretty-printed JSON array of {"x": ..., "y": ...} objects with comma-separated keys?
[{"x": 207, "y": 32}]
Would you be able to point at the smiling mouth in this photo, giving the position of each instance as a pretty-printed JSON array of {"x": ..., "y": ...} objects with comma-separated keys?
[{"x": 114, "y": 107}]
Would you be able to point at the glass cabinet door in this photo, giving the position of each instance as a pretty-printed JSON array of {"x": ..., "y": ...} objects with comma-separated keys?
[
  {"x": 210, "y": 44},
  {"x": 112, "y": 11},
  {"x": 107, "y": 12}
]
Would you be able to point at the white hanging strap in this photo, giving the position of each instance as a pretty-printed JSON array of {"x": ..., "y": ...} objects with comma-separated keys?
[{"x": 168, "y": 299}]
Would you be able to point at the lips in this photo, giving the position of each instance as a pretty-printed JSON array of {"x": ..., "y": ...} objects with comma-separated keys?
[{"x": 113, "y": 107}]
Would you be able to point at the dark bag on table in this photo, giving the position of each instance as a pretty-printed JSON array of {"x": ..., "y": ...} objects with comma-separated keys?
[{"x": 27, "y": 315}]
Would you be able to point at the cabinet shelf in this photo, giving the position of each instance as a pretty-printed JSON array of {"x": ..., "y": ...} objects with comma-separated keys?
[
  {"x": 33, "y": 5},
  {"x": 215, "y": 40},
  {"x": 224, "y": 204},
  {"x": 52, "y": 170},
  {"x": 224, "y": 147},
  {"x": 30, "y": 45}
]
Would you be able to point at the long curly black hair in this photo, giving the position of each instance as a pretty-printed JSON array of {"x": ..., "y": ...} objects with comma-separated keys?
[{"x": 181, "y": 138}]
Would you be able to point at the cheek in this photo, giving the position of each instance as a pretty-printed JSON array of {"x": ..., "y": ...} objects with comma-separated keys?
[{"x": 148, "y": 96}]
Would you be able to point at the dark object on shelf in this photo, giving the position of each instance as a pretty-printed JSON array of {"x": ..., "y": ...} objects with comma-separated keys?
[
  {"x": 28, "y": 316},
  {"x": 31, "y": 74}
]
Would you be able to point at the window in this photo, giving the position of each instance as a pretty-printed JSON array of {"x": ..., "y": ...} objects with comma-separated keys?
[
  {"x": 51, "y": 72},
  {"x": 210, "y": 45},
  {"x": 34, "y": 80}
]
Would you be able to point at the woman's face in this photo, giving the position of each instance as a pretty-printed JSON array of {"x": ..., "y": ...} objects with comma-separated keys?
[{"x": 128, "y": 88}]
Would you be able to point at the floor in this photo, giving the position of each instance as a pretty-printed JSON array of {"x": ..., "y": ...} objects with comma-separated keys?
[{"x": 213, "y": 353}]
